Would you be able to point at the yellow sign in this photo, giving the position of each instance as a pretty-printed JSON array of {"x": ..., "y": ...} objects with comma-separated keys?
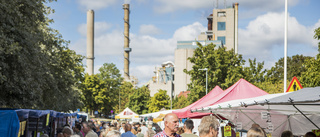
[
  {"x": 294, "y": 85},
  {"x": 22, "y": 128},
  {"x": 238, "y": 134},
  {"x": 269, "y": 135},
  {"x": 227, "y": 131},
  {"x": 48, "y": 118}
]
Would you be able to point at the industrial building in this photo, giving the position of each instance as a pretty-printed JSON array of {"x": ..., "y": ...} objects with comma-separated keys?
[
  {"x": 163, "y": 79},
  {"x": 223, "y": 25},
  {"x": 185, "y": 50},
  {"x": 222, "y": 31}
]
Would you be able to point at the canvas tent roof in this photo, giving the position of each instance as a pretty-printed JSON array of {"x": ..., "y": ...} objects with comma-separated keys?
[
  {"x": 185, "y": 112},
  {"x": 285, "y": 111},
  {"x": 156, "y": 114},
  {"x": 126, "y": 114},
  {"x": 240, "y": 90},
  {"x": 9, "y": 126},
  {"x": 24, "y": 114}
]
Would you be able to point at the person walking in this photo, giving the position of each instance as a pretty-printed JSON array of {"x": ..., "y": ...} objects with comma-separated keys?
[
  {"x": 188, "y": 127},
  {"x": 150, "y": 132},
  {"x": 209, "y": 127},
  {"x": 87, "y": 129},
  {"x": 128, "y": 132},
  {"x": 143, "y": 128},
  {"x": 171, "y": 124}
]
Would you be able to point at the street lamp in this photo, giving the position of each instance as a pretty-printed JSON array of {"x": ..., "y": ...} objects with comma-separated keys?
[
  {"x": 206, "y": 69},
  {"x": 119, "y": 101}
]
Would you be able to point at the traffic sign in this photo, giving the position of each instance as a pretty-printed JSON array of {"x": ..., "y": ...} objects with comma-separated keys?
[{"x": 294, "y": 85}]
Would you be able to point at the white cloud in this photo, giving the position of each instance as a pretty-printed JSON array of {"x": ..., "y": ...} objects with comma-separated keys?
[
  {"x": 264, "y": 5},
  {"x": 264, "y": 37},
  {"x": 189, "y": 32},
  {"x": 253, "y": 6},
  {"x": 99, "y": 28},
  {"x": 147, "y": 51},
  {"x": 127, "y": 1},
  {"x": 96, "y": 4},
  {"x": 144, "y": 73},
  {"x": 149, "y": 30},
  {"x": 165, "y": 6}
]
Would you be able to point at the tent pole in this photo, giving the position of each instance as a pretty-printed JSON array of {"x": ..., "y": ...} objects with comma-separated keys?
[
  {"x": 305, "y": 116},
  {"x": 247, "y": 124},
  {"x": 217, "y": 116},
  {"x": 37, "y": 126},
  {"x": 283, "y": 123},
  {"x": 289, "y": 124},
  {"x": 247, "y": 116}
]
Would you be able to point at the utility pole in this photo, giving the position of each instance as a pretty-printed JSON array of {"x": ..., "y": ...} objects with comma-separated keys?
[
  {"x": 206, "y": 69},
  {"x": 285, "y": 45}
]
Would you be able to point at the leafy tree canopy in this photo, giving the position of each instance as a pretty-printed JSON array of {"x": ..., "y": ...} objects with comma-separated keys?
[
  {"x": 224, "y": 69},
  {"x": 311, "y": 77},
  {"x": 138, "y": 100},
  {"x": 158, "y": 101},
  {"x": 37, "y": 69}
]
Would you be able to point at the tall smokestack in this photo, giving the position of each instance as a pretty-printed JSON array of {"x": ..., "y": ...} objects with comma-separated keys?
[
  {"x": 127, "y": 50},
  {"x": 90, "y": 41},
  {"x": 236, "y": 28}
]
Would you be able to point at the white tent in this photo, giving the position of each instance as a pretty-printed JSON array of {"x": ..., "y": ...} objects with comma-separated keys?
[
  {"x": 156, "y": 114},
  {"x": 126, "y": 114},
  {"x": 297, "y": 111}
]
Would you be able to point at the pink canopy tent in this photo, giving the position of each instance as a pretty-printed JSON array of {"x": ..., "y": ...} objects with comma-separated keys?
[
  {"x": 183, "y": 113},
  {"x": 240, "y": 90}
]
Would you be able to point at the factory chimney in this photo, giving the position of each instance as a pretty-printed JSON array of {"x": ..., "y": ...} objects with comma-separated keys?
[
  {"x": 127, "y": 50},
  {"x": 90, "y": 42}
]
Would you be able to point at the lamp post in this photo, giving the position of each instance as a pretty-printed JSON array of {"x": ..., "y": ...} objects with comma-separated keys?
[
  {"x": 119, "y": 101},
  {"x": 206, "y": 69},
  {"x": 285, "y": 46}
]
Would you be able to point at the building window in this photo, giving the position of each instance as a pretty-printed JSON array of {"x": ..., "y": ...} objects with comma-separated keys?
[
  {"x": 221, "y": 14},
  {"x": 223, "y": 39},
  {"x": 209, "y": 37},
  {"x": 221, "y": 25}
]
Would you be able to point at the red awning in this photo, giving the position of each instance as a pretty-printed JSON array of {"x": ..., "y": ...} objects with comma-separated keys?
[
  {"x": 182, "y": 113},
  {"x": 240, "y": 90}
]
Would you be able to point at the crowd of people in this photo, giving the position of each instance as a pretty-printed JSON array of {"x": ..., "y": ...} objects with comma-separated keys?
[
  {"x": 209, "y": 127},
  {"x": 95, "y": 128},
  {"x": 257, "y": 131}
]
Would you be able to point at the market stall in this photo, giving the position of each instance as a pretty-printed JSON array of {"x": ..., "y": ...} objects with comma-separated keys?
[
  {"x": 295, "y": 111},
  {"x": 240, "y": 90},
  {"x": 127, "y": 114}
]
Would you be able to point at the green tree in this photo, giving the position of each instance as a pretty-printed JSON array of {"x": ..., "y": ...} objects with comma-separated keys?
[
  {"x": 138, "y": 100},
  {"x": 270, "y": 87},
  {"x": 125, "y": 90},
  {"x": 93, "y": 92},
  {"x": 254, "y": 73},
  {"x": 310, "y": 77},
  {"x": 158, "y": 101},
  {"x": 65, "y": 77},
  {"x": 179, "y": 102},
  {"x": 295, "y": 67},
  {"x": 111, "y": 76},
  {"x": 224, "y": 69},
  {"x": 37, "y": 70}
]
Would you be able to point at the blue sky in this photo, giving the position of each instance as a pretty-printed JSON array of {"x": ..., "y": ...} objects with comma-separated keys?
[{"x": 157, "y": 25}]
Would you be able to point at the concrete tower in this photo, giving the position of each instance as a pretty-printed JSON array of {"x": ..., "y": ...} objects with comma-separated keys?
[
  {"x": 127, "y": 50},
  {"x": 90, "y": 42},
  {"x": 223, "y": 25}
]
